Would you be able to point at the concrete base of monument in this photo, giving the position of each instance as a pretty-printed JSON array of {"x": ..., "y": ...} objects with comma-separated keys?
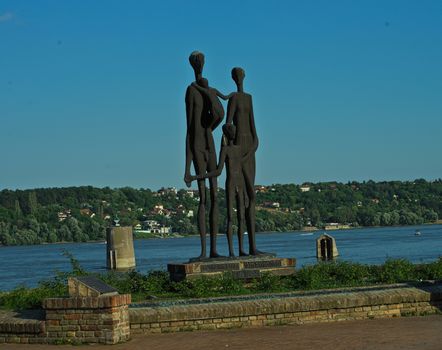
[{"x": 247, "y": 267}]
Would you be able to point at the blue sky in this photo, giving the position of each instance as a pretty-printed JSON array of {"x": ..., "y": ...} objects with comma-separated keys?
[{"x": 92, "y": 92}]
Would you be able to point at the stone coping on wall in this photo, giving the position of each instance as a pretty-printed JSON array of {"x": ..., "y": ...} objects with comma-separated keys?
[
  {"x": 261, "y": 296},
  {"x": 101, "y": 302},
  {"x": 22, "y": 322},
  {"x": 357, "y": 303}
]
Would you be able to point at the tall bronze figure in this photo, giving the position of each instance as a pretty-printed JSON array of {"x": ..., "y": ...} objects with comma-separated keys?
[
  {"x": 240, "y": 112},
  {"x": 238, "y": 147},
  {"x": 203, "y": 116},
  {"x": 238, "y": 152},
  {"x": 232, "y": 156}
]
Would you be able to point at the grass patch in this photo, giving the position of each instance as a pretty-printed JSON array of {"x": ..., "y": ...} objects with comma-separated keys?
[{"x": 156, "y": 284}]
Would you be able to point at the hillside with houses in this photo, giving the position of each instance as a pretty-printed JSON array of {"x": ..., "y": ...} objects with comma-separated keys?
[{"x": 80, "y": 214}]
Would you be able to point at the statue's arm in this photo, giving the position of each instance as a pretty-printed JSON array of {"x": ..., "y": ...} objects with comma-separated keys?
[
  {"x": 224, "y": 97},
  {"x": 206, "y": 92},
  {"x": 217, "y": 112},
  {"x": 218, "y": 120},
  {"x": 219, "y": 169},
  {"x": 200, "y": 88},
  {"x": 252, "y": 126},
  {"x": 189, "y": 118},
  {"x": 217, "y": 109},
  {"x": 253, "y": 130},
  {"x": 231, "y": 108},
  {"x": 190, "y": 179}
]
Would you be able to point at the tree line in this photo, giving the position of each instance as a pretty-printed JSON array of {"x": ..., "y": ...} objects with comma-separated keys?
[{"x": 80, "y": 214}]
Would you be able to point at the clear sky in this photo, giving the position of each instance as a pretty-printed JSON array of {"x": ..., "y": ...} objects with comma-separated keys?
[{"x": 92, "y": 92}]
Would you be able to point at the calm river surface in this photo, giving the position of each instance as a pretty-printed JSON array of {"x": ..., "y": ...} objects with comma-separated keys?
[{"x": 26, "y": 265}]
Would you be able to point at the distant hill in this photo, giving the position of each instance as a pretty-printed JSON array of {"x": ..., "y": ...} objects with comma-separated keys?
[{"x": 81, "y": 214}]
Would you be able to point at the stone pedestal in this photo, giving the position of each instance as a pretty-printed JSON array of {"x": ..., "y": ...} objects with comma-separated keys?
[
  {"x": 120, "y": 248},
  {"x": 242, "y": 267}
]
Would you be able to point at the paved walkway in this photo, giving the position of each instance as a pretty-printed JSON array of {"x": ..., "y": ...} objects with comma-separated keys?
[{"x": 408, "y": 333}]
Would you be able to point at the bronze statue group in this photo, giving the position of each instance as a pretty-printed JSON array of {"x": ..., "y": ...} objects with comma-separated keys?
[{"x": 205, "y": 113}]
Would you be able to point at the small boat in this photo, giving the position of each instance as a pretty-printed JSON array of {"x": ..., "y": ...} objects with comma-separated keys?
[{"x": 417, "y": 233}]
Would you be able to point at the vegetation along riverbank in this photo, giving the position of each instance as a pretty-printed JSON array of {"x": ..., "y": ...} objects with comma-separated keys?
[
  {"x": 81, "y": 214},
  {"x": 155, "y": 286}
]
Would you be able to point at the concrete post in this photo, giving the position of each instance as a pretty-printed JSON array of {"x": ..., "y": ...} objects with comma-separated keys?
[{"x": 120, "y": 248}]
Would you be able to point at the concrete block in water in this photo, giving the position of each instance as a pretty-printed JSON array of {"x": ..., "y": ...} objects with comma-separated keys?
[
  {"x": 120, "y": 248},
  {"x": 326, "y": 247}
]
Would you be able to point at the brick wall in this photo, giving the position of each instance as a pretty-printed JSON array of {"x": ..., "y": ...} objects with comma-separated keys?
[
  {"x": 103, "y": 319},
  {"x": 366, "y": 303},
  {"x": 22, "y": 327},
  {"x": 75, "y": 320}
]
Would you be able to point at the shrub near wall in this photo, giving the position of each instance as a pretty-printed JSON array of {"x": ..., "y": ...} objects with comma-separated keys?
[{"x": 156, "y": 284}]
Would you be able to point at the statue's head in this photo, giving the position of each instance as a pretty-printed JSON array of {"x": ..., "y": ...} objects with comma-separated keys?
[
  {"x": 203, "y": 82},
  {"x": 238, "y": 75},
  {"x": 196, "y": 60},
  {"x": 229, "y": 130}
]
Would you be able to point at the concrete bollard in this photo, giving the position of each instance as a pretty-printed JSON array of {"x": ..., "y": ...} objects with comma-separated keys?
[
  {"x": 326, "y": 247},
  {"x": 120, "y": 248}
]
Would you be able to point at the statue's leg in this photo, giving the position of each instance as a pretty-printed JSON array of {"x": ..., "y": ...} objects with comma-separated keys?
[
  {"x": 240, "y": 208},
  {"x": 213, "y": 214},
  {"x": 189, "y": 157},
  {"x": 250, "y": 222},
  {"x": 202, "y": 216},
  {"x": 229, "y": 202},
  {"x": 200, "y": 168},
  {"x": 249, "y": 180}
]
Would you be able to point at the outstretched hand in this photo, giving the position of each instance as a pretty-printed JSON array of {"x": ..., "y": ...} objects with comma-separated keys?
[
  {"x": 209, "y": 175},
  {"x": 225, "y": 98},
  {"x": 188, "y": 179}
]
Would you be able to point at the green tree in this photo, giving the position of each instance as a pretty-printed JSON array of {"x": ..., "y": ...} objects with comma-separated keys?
[
  {"x": 18, "y": 210},
  {"x": 32, "y": 202},
  {"x": 65, "y": 234},
  {"x": 75, "y": 230}
]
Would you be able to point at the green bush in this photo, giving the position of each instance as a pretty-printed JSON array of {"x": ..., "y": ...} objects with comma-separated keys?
[
  {"x": 156, "y": 284},
  {"x": 228, "y": 285},
  {"x": 197, "y": 288},
  {"x": 396, "y": 270},
  {"x": 331, "y": 275},
  {"x": 120, "y": 281},
  {"x": 30, "y": 298},
  {"x": 269, "y": 283},
  {"x": 201, "y": 287},
  {"x": 431, "y": 271}
]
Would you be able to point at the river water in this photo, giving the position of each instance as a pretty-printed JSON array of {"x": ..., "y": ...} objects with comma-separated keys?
[{"x": 26, "y": 265}]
